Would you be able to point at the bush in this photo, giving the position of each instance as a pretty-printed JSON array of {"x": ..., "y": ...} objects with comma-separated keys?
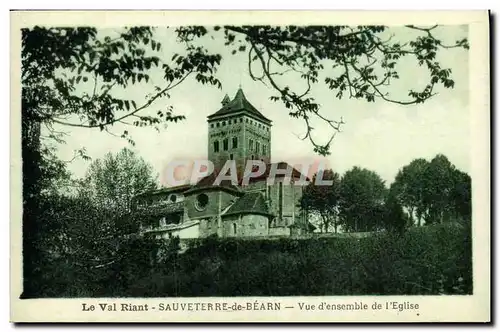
[{"x": 427, "y": 260}]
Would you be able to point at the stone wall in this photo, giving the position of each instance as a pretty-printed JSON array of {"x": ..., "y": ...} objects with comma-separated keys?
[
  {"x": 208, "y": 226},
  {"x": 245, "y": 225},
  {"x": 289, "y": 213},
  {"x": 244, "y": 129},
  {"x": 226, "y": 128},
  {"x": 218, "y": 200},
  {"x": 279, "y": 231},
  {"x": 260, "y": 134}
]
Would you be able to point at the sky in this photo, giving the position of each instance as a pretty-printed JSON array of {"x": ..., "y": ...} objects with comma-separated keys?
[{"x": 379, "y": 136}]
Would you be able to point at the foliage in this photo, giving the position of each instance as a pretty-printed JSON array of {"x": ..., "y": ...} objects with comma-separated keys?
[
  {"x": 59, "y": 63},
  {"x": 323, "y": 199},
  {"x": 114, "y": 181},
  {"x": 362, "y": 195},
  {"x": 358, "y": 61},
  {"x": 428, "y": 260},
  {"x": 394, "y": 219},
  {"x": 409, "y": 188},
  {"x": 89, "y": 228},
  {"x": 434, "y": 191}
]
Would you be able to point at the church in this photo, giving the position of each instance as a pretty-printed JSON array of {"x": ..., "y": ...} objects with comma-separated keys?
[{"x": 239, "y": 132}]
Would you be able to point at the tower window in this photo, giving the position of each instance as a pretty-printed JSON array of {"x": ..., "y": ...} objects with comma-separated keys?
[
  {"x": 229, "y": 122},
  {"x": 211, "y": 125},
  {"x": 216, "y": 146},
  {"x": 218, "y": 124},
  {"x": 257, "y": 147},
  {"x": 223, "y": 123},
  {"x": 235, "y": 142},
  {"x": 246, "y": 120},
  {"x": 225, "y": 144},
  {"x": 234, "y": 228},
  {"x": 241, "y": 120},
  {"x": 250, "y": 144}
]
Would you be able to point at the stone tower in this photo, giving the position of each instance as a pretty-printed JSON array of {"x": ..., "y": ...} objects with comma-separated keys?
[{"x": 238, "y": 131}]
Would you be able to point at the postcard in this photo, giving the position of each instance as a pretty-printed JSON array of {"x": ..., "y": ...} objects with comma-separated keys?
[{"x": 250, "y": 166}]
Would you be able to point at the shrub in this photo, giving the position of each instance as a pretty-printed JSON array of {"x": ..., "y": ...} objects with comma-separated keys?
[{"x": 426, "y": 260}]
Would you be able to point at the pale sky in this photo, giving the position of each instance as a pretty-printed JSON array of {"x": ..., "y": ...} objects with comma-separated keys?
[{"x": 379, "y": 136}]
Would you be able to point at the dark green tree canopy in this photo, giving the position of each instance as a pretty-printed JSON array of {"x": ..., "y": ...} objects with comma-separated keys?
[
  {"x": 433, "y": 191},
  {"x": 323, "y": 200},
  {"x": 362, "y": 197}
]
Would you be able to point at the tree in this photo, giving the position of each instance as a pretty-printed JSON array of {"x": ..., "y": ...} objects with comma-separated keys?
[
  {"x": 362, "y": 196},
  {"x": 111, "y": 184},
  {"x": 323, "y": 200},
  {"x": 360, "y": 62},
  {"x": 409, "y": 188},
  {"x": 395, "y": 219},
  {"x": 67, "y": 78},
  {"x": 433, "y": 191},
  {"x": 439, "y": 183},
  {"x": 461, "y": 195}
]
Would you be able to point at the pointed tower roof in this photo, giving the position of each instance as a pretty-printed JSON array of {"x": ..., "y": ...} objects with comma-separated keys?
[
  {"x": 226, "y": 100},
  {"x": 237, "y": 105}
]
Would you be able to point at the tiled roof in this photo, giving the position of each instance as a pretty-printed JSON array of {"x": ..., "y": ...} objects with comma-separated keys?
[
  {"x": 239, "y": 103},
  {"x": 250, "y": 203},
  {"x": 208, "y": 182},
  {"x": 165, "y": 190},
  {"x": 281, "y": 165}
]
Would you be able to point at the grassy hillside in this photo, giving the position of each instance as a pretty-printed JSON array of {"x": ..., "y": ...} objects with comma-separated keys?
[{"x": 426, "y": 260}]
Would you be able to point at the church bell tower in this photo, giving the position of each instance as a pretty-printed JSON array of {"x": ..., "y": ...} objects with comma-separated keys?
[{"x": 238, "y": 131}]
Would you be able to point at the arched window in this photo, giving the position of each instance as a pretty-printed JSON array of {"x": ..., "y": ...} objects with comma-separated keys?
[{"x": 173, "y": 198}]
